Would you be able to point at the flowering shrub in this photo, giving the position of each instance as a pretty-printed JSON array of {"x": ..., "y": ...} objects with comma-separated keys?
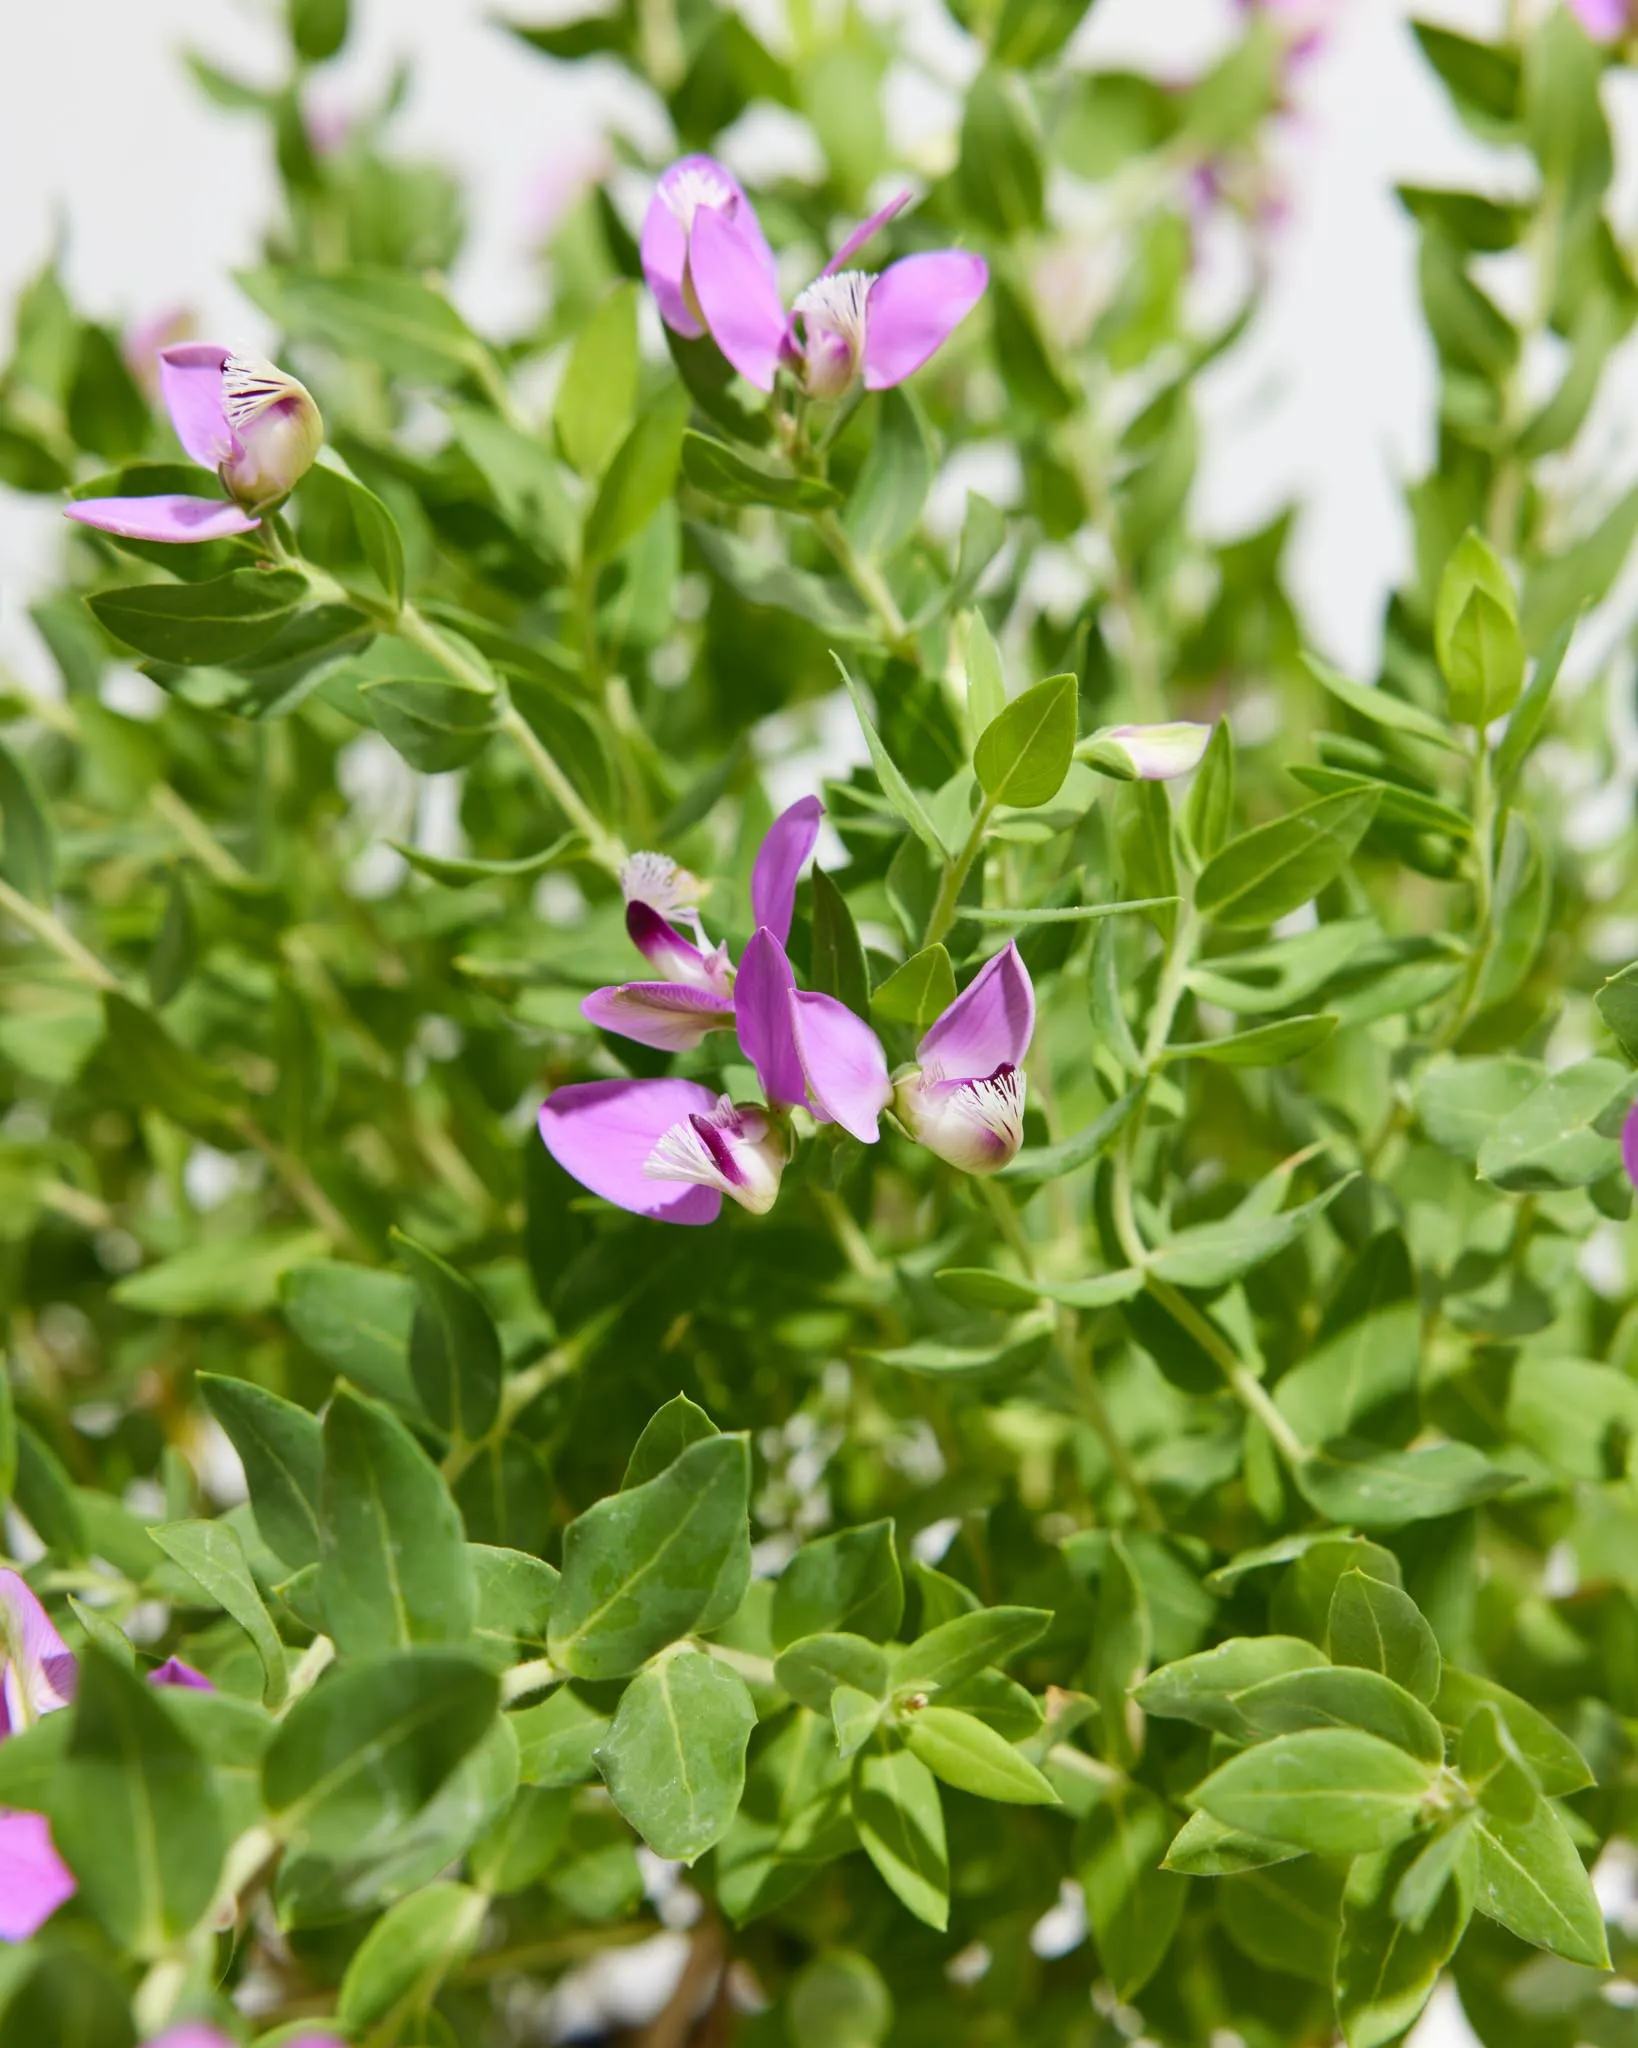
[{"x": 1123, "y": 1523}]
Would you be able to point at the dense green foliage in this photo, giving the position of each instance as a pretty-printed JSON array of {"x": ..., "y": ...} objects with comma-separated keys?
[{"x": 1221, "y": 1516}]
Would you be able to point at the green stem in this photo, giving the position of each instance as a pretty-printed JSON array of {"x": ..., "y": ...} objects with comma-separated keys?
[
  {"x": 299, "y": 1183},
  {"x": 1249, "y": 1390},
  {"x": 516, "y": 1394},
  {"x": 420, "y": 632},
  {"x": 850, "y": 1239},
  {"x": 1076, "y": 1355},
  {"x": 1173, "y": 981},
  {"x": 947, "y": 902},
  {"x": 47, "y": 926},
  {"x": 869, "y": 582}
]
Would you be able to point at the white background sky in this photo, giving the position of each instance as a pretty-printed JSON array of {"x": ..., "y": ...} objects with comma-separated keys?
[{"x": 160, "y": 196}]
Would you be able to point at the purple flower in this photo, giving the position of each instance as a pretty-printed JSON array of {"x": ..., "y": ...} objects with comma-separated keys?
[
  {"x": 40, "y": 1676},
  {"x": 710, "y": 268},
  {"x": 250, "y": 422},
  {"x": 193, "y": 2034},
  {"x": 34, "y": 1879},
  {"x": 965, "y": 1101},
  {"x": 672, "y": 1149},
  {"x": 1604, "y": 20},
  {"x": 174, "y": 1672},
  {"x": 1629, "y": 1144},
  {"x": 695, "y": 994}
]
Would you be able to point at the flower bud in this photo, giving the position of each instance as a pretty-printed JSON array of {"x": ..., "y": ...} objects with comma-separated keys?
[
  {"x": 277, "y": 428},
  {"x": 975, "y": 1125},
  {"x": 1146, "y": 753}
]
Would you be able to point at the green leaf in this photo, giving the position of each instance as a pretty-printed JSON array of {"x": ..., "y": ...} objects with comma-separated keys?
[
  {"x": 318, "y": 28},
  {"x": 1554, "y": 1139},
  {"x": 436, "y": 724},
  {"x": 1203, "y": 1847},
  {"x": 281, "y": 1448},
  {"x": 855, "y": 1716},
  {"x": 1492, "y": 1768},
  {"x": 597, "y": 399},
  {"x": 1335, "y": 1791},
  {"x": 1559, "y": 1766},
  {"x": 972, "y": 1757},
  {"x": 1206, "y": 1687},
  {"x": 900, "y": 1819},
  {"x": 1133, "y": 1903},
  {"x": 897, "y": 791},
  {"x": 1122, "y": 1650},
  {"x": 409, "y": 1951},
  {"x": 382, "y": 316},
  {"x": 1379, "y": 706},
  {"x": 641, "y": 1568},
  {"x": 212, "y": 1555},
  {"x": 813, "y": 1668},
  {"x": 66, "y": 1995},
  {"x": 525, "y": 1843},
  {"x": 1342, "y": 1696},
  {"x": 343, "y": 523},
  {"x": 1000, "y": 175},
  {"x": 1265, "y": 1045},
  {"x": 453, "y": 871},
  {"x": 848, "y": 1582},
  {"x": 513, "y": 1594},
  {"x": 525, "y": 480},
  {"x": 1267, "y": 873},
  {"x": 674, "y": 1760},
  {"x": 956, "y": 1649},
  {"x": 918, "y": 992},
  {"x": 370, "y": 1745},
  {"x": 238, "y": 1276},
  {"x": 666, "y": 1435},
  {"x": 1024, "y": 754},
  {"x": 1209, "y": 1255},
  {"x": 885, "y": 508},
  {"x": 1555, "y": 590},
  {"x": 986, "y": 678},
  {"x": 639, "y": 478},
  {"x": 1380, "y": 1628},
  {"x": 1484, "y": 661},
  {"x": 557, "y": 1740},
  {"x": 357, "y": 1319},
  {"x": 838, "y": 954},
  {"x": 454, "y": 1347},
  {"x": 393, "y": 1567},
  {"x": 222, "y": 620},
  {"x": 1532, "y": 1881},
  {"x": 1483, "y": 79},
  {"x": 1386, "y": 1969},
  {"x": 723, "y": 473},
  {"x": 134, "y": 1811},
  {"x": 1351, "y": 1480},
  {"x": 1285, "y": 1918},
  {"x": 1525, "y": 725},
  {"x": 28, "y": 850},
  {"x": 838, "y": 2001},
  {"x": 1618, "y": 1006},
  {"x": 1460, "y": 1102},
  {"x": 1209, "y": 812},
  {"x": 1051, "y": 1162}
]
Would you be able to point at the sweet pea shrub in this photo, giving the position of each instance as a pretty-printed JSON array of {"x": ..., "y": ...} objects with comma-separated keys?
[{"x": 990, "y": 1393}]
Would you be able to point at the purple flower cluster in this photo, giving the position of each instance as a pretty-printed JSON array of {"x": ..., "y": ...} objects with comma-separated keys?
[
  {"x": 711, "y": 271},
  {"x": 672, "y": 1148},
  {"x": 40, "y": 1677}
]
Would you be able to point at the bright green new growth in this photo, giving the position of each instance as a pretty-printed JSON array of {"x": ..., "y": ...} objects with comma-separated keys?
[{"x": 1222, "y": 1519}]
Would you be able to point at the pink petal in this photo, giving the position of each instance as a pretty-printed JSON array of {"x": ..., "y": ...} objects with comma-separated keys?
[
  {"x": 34, "y": 1879},
  {"x": 1603, "y": 20},
  {"x": 664, "y": 947},
  {"x": 663, "y": 247},
  {"x": 603, "y": 1132},
  {"x": 762, "y": 1014},
  {"x": 843, "y": 1063},
  {"x": 664, "y": 242},
  {"x": 190, "y": 378},
  {"x": 193, "y": 2035},
  {"x": 666, "y": 1014},
  {"x": 1629, "y": 1144},
  {"x": 989, "y": 1024},
  {"x": 779, "y": 860},
  {"x": 166, "y": 517},
  {"x": 915, "y": 306},
  {"x": 738, "y": 297},
  {"x": 41, "y": 1674},
  {"x": 864, "y": 231},
  {"x": 174, "y": 1672}
]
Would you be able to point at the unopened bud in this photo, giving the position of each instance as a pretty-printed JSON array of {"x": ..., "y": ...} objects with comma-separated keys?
[{"x": 278, "y": 429}]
